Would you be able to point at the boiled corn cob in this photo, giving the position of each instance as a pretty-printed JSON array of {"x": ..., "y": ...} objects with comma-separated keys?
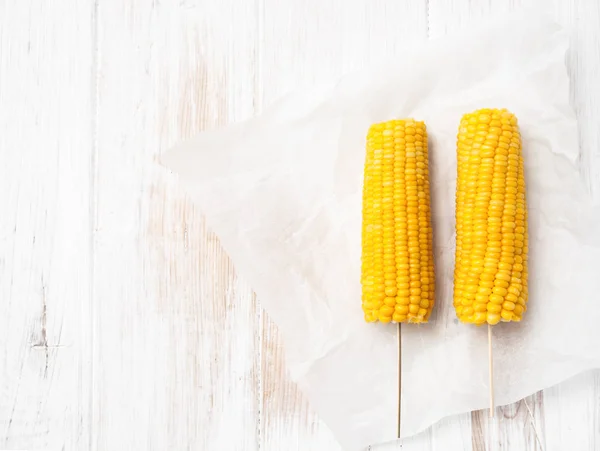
[
  {"x": 397, "y": 259},
  {"x": 490, "y": 277}
]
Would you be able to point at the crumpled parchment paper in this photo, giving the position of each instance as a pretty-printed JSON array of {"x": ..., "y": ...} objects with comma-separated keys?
[{"x": 283, "y": 193}]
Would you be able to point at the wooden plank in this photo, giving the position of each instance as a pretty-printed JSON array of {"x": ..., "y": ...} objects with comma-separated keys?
[
  {"x": 572, "y": 409},
  {"x": 582, "y": 20},
  {"x": 309, "y": 43},
  {"x": 287, "y": 421},
  {"x": 449, "y": 434},
  {"x": 510, "y": 425},
  {"x": 448, "y": 16},
  {"x": 572, "y": 419},
  {"x": 45, "y": 153},
  {"x": 520, "y": 425},
  {"x": 515, "y": 424},
  {"x": 176, "y": 328}
]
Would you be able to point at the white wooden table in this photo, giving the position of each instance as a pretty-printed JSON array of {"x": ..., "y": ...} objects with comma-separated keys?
[{"x": 123, "y": 325}]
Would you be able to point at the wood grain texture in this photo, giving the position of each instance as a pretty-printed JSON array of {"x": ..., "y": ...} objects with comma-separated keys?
[
  {"x": 309, "y": 43},
  {"x": 123, "y": 323},
  {"x": 45, "y": 144},
  {"x": 513, "y": 426},
  {"x": 177, "y": 342},
  {"x": 582, "y": 19},
  {"x": 572, "y": 414}
]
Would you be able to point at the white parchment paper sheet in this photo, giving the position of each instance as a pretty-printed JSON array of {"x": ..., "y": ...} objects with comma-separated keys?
[{"x": 283, "y": 193}]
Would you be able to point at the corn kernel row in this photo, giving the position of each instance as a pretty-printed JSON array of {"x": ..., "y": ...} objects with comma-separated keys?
[
  {"x": 490, "y": 277},
  {"x": 397, "y": 257}
]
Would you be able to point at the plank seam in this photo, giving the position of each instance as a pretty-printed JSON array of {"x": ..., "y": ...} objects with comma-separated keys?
[
  {"x": 428, "y": 11},
  {"x": 258, "y": 60},
  {"x": 94, "y": 129},
  {"x": 257, "y": 107},
  {"x": 260, "y": 391}
]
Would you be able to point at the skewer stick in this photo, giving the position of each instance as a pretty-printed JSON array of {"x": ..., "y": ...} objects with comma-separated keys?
[
  {"x": 399, "y": 376},
  {"x": 491, "y": 370}
]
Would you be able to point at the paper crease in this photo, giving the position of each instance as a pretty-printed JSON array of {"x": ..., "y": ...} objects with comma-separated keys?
[{"x": 283, "y": 193}]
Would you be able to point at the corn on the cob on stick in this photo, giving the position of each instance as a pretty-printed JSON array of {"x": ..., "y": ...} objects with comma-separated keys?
[
  {"x": 490, "y": 277},
  {"x": 397, "y": 258}
]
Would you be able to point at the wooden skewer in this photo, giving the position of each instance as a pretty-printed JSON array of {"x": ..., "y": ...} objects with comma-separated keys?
[
  {"x": 399, "y": 376},
  {"x": 491, "y": 370}
]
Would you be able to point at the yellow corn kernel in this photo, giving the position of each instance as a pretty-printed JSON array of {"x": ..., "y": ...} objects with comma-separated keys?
[
  {"x": 399, "y": 318},
  {"x": 490, "y": 274},
  {"x": 401, "y": 309},
  {"x": 493, "y": 318},
  {"x": 370, "y": 317},
  {"x": 397, "y": 258},
  {"x": 494, "y": 308},
  {"x": 386, "y": 310},
  {"x": 390, "y": 302}
]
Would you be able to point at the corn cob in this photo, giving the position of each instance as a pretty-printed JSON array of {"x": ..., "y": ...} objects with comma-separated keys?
[
  {"x": 490, "y": 276},
  {"x": 397, "y": 259}
]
